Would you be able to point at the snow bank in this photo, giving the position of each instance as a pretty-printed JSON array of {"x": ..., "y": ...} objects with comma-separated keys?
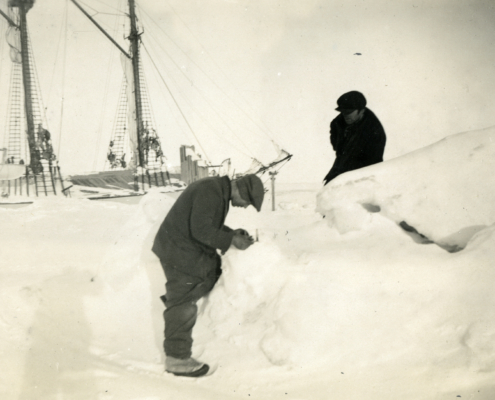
[
  {"x": 348, "y": 306},
  {"x": 445, "y": 191},
  {"x": 363, "y": 295},
  {"x": 337, "y": 309}
]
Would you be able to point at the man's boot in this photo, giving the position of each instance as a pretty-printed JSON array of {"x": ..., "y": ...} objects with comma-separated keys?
[{"x": 185, "y": 367}]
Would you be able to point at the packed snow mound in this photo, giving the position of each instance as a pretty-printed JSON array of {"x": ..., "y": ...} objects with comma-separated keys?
[
  {"x": 444, "y": 191},
  {"x": 328, "y": 307}
]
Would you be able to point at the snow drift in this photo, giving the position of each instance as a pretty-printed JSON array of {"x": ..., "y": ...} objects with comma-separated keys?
[
  {"x": 445, "y": 190},
  {"x": 349, "y": 306}
]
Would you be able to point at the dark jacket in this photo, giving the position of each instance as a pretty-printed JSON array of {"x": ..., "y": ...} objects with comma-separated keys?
[
  {"x": 194, "y": 227},
  {"x": 357, "y": 145}
]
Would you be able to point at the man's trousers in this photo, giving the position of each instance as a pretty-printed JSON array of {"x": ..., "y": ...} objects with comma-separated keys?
[{"x": 182, "y": 293}]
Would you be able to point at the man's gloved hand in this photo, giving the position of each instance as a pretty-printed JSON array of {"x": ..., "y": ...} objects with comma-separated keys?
[
  {"x": 241, "y": 239},
  {"x": 241, "y": 232}
]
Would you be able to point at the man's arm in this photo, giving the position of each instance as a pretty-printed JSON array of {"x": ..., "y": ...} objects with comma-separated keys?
[
  {"x": 374, "y": 145},
  {"x": 335, "y": 137}
]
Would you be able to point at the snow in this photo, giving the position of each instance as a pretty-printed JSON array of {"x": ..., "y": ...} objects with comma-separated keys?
[
  {"x": 349, "y": 306},
  {"x": 413, "y": 188}
]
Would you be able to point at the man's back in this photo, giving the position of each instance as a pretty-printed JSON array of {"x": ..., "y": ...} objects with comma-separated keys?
[{"x": 195, "y": 223}]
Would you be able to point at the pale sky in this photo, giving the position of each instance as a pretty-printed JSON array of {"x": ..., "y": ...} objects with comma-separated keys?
[{"x": 247, "y": 71}]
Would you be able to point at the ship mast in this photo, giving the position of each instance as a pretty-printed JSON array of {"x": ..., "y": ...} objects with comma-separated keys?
[
  {"x": 23, "y": 6},
  {"x": 134, "y": 39},
  {"x": 37, "y": 176},
  {"x": 28, "y": 85}
]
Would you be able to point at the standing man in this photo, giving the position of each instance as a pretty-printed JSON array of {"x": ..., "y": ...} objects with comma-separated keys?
[
  {"x": 187, "y": 244},
  {"x": 356, "y": 134}
]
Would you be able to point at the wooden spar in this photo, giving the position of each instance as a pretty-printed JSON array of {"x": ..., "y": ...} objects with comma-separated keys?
[
  {"x": 12, "y": 23},
  {"x": 264, "y": 168},
  {"x": 35, "y": 163},
  {"x": 101, "y": 29},
  {"x": 272, "y": 177},
  {"x": 134, "y": 39}
]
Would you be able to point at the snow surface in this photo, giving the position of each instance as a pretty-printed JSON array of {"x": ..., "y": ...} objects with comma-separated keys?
[{"x": 350, "y": 306}]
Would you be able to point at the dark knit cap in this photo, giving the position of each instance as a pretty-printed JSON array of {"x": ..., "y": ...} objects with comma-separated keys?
[
  {"x": 351, "y": 101},
  {"x": 251, "y": 189}
]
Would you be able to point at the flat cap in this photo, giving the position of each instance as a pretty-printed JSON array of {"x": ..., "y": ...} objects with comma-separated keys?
[
  {"x": 353, "y": 100},
  {"x": 251, "y": 189}
]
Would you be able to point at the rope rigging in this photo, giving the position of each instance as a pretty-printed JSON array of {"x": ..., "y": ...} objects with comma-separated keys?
[
  {"x": 65, "y": 27},
  {"x": 105, "y": 96},
  {"x": 146, "y": 135},
  {"x": 159, "y": 43},
  {"x": 30, "y": 149},
  {"x": 101, "y": 23},
  {"x": 177, "y": 104},
  {"x": 202, "y": 95},
  {"x": 264, "y": 130},
  {"x": 96, "y": 12},
  {"x": 198, "y": 113},
  {"x": 248, "y": 151},
  {"x": 119, "y": 9},
  {"x": 262, "y": 168},
  {"x": 237, "y": 106},
  {"x": 2, "y": 47}
]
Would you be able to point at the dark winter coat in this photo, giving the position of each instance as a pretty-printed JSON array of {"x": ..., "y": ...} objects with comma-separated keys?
[
  {"x": 194, "y": 228},
  {"x": 357, "y": 145}
]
